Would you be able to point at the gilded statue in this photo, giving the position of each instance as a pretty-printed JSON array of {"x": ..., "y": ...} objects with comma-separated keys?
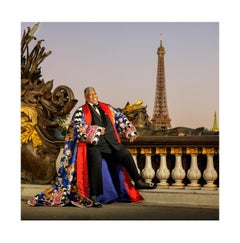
[{"x": 41, "y": 108}]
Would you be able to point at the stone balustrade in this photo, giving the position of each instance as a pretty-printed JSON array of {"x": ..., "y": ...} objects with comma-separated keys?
[
  {"x": 184, "y": 162},
  {"x": 186, "y": 169}
]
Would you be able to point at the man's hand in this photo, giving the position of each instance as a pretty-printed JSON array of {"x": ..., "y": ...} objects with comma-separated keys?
[{"x": 132, "y": 138}]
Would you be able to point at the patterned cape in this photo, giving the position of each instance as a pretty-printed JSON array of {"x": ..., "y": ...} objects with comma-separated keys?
[{"x": 71, "y": 185}]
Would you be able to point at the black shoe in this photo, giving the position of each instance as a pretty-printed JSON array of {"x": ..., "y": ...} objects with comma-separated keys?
[
  {"x": 140, "y": 184},
  {"x": 96, "y": 203}
]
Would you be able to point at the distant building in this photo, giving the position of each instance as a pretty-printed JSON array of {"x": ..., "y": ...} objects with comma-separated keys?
[
  {"x": 215, "y": 123},
  {"x": 160, "y": 118}
]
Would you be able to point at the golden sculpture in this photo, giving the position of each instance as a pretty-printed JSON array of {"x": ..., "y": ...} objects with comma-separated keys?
[{"x": 41, "y": 137}]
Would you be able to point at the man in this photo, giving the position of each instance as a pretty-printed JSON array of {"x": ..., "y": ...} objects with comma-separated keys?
[
  {"x": 94, "y": 163},
  {"x": 109, "y": 122}
]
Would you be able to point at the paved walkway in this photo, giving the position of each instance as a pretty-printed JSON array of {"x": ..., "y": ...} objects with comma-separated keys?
[{"x": 118, "y": 211}]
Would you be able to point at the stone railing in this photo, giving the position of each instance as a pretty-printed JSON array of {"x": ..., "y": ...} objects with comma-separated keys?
[
  {"x": 189, "y": 162},
  {"x": 186, "y": 169}
]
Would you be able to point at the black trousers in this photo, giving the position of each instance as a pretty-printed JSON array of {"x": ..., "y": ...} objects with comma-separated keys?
[{"x": 95, "y": 156}]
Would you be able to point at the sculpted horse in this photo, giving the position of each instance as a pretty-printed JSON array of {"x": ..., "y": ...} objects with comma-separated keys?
[{"x": 137, "y": 114}]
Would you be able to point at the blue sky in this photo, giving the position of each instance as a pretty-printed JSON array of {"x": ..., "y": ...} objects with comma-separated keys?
[{"x": 120, "y": 60}]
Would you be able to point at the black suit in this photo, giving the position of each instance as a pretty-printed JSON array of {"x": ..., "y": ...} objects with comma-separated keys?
[{"x": 108, "y": 148}]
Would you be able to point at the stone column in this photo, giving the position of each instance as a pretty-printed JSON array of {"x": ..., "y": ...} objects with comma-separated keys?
[
  {"x": 163, "y": 172},
  {"x": 209, "y": 174},
  {"x": 193, "y": 174},
  {"x": 178, "y": 173},
  {"x": 148, "y": 172}
]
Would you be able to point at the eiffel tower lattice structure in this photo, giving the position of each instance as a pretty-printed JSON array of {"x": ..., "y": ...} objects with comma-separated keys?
[{"x": 160, "y": 118}]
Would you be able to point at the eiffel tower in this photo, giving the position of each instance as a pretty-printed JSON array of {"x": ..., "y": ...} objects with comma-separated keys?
[{"x": 160, "y": 118}]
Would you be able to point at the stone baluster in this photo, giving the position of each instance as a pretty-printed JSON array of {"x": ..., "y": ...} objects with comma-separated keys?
[
  {"x": 133, "y": 152},
  {"x": 163, "y": 172},
  {"x": 209, "y": 174},
  {"x": 148, "y": 172},
  {"x": 193, "y": 174},
  {"x": 178, "y": 173}
]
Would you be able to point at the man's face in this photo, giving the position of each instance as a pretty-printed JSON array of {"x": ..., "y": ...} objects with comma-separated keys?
[{"x": 91, "y": 96}]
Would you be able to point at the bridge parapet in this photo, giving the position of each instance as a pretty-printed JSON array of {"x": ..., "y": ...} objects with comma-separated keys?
[{"x": 189, "y": 162}]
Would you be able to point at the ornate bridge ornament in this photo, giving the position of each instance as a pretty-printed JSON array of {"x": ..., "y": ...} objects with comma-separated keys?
[
  {"x": 41, "y": 109},
  {"x": 209, "y": 151},
  {"x": 161, "y": 151},
  {"x": 192, "y": 151},
  {"x": 137, "y": 114},
  {"x": 29, "y": 134},
  {"x": 175, "y": 151}
]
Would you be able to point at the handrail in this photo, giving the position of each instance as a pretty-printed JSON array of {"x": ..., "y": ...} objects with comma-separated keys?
[{"x": 174, "y": 141}]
